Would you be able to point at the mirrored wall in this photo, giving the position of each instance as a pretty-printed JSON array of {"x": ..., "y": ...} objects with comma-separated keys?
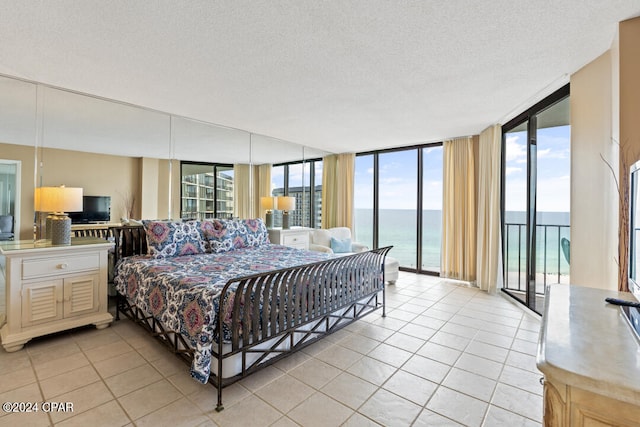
[{"x": 127, "y": 153}]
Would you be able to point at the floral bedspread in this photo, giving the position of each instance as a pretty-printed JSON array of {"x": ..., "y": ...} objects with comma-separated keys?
[{"x": 184, "y": 292}]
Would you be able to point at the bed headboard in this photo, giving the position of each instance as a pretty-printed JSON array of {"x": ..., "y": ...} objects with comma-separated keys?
[{"x": 129, "y": 240}]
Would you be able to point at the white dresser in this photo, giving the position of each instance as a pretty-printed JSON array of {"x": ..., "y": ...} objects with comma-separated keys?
[
  {"x": 296, "y": 237},
  {"x": 53, "y": 288}
]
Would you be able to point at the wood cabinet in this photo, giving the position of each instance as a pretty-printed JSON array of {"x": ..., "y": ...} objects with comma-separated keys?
[
  {"x": 294, "y": 237},
  {"x": 53, "y": 288},
  {"x": 576, "y": 407},
  {"x": 589, "y": 358}
]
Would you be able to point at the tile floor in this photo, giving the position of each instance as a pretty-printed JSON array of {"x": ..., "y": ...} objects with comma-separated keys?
[{"x": 445, "y": 355}]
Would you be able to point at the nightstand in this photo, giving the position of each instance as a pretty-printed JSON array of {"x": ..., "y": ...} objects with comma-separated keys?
[
  {"x": 53, "y": 288},
  {"x": 296, "y": 237}
]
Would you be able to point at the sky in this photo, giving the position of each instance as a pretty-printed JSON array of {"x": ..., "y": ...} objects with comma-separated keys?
[
  {"x": 554, "y": 170},
  {"x": 398, "y": 175},
  {"x": 398, "y": 180}
]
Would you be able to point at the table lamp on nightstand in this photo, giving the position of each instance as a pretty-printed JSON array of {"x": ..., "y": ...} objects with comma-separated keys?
[
  {"x": 286, "y": 204},
  {"x": 268, "y": 204},
  {"x": 57, "y": 201}
]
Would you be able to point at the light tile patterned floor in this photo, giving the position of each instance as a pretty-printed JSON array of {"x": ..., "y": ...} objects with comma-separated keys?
[{"x": 445, "y": 355}]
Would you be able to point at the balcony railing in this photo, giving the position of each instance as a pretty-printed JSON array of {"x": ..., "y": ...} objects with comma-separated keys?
[{"x": 551, "y": 264}]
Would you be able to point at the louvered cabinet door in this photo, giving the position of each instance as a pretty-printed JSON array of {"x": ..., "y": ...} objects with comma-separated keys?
[
  {"x": 81, "y": 295},
  {"x": 42, "y": 302},
  {"x": 53, "y": 288}
]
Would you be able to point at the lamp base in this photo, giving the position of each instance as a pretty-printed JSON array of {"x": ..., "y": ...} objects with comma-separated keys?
[
  {"x": 61, "y": 229},
  {"x": 285, "y": 220},
  {"x": 47, "y": 225},
  {"x": 268, "y": 219}
]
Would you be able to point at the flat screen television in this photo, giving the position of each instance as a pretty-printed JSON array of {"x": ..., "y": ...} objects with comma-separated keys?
[{"x": 94, "y": 209}]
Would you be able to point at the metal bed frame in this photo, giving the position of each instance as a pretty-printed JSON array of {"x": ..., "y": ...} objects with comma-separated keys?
[{"x": 298, "y": 306}]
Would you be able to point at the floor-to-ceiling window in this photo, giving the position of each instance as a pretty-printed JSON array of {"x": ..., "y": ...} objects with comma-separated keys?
[
  {"x": 206, "y": 190},
  {"x": 536, "y": 196},
  {"x": 431, "y": 208},
  {"x": 302, "y": 180},
  {"x": 363, "y": 226},
  {"x": 398, "y": 202},
  {"x": 398, "y": 205}
]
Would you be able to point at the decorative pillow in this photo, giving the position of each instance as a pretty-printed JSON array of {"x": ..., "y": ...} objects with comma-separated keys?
[
  {"x": 247, "y": 232},
  {"x": 168, "y": 239},
  {"x": 226, "y": 234},
  {"x": 341, "y": 246},
  {"x": 217, "y": 235}
]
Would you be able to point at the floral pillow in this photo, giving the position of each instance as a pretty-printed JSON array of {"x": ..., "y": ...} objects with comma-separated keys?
[
  {"x": 248, "y": 232},
  {"x": 217, "y": 235},
  {"x": 225, "y": 234},
  {"x": 168, "y": 239}
]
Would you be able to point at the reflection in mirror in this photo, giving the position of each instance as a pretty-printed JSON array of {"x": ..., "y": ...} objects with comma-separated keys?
[
  {"x": 132, "y": 154},
  {"x": 313, "y": 173},
  {"x": 215, "y": 178},
  {"x": 198, "y": 141},
  {"x": 634, "y": 227},
  {"x": 17, "y": 139},
  {"x": 313, "y": 165},
  {"x": 83, "y": 123},
  {"x": 271, "y": 158},
  {"x": 109, "y": 149}
]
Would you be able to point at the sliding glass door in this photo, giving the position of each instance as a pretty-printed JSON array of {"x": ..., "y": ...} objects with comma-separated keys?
[{"x": 536, "y": 195}]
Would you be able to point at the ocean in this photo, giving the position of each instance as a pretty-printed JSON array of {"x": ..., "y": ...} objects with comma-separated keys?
[{"x": 398, "y": 228}]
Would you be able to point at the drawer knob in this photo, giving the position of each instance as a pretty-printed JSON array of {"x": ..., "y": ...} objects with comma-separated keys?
[{"x": 63, "y": 266}]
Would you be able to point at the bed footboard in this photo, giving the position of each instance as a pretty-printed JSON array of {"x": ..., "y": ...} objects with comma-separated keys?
[{"x": 270, "y": 315}]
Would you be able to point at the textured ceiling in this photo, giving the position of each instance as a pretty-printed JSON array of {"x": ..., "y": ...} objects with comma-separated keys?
[{"x": 334, "y": 75}]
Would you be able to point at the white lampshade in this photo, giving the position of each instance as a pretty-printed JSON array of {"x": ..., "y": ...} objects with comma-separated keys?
[
  {"x": 58, "y": 199},
  {"x": 286, "y": 203},
  {"x": 268, "y": 203}
]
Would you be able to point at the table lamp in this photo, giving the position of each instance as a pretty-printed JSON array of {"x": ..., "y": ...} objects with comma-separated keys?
[
  {"x": 267, "y": 204},
  {"x": 57, "y": 201},
  {"x": 286, "y": 204}
]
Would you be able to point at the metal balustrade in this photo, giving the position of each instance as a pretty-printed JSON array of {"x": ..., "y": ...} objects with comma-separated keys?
[{"x": 551, "y": 264}]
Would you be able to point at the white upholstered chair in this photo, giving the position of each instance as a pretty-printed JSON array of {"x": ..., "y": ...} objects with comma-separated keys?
[{"x": 321, "y": 240}]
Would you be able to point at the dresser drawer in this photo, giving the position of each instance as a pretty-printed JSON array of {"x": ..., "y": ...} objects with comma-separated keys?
[
  {"x": 39, "y": 267},
  {"x": 296, "y": 240}
]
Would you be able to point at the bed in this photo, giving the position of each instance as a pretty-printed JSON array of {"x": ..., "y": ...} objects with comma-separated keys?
[{"x": 228, "y": 302}]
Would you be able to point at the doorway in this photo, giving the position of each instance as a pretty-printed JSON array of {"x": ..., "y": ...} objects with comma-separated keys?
[
  {"x": 10, "y": 192},
  {"x": 536, "y": 200}
]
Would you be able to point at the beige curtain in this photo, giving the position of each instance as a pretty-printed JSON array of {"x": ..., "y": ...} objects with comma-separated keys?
[
  {"x": 459, "y": 211},
  {"x": 242, "y": 203},
  {"x": 249, "y": 184},
  {"x": 489, "y": 231},
  {"x": 262, "y": 186},
  {"x": 338, "y": 173}
]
